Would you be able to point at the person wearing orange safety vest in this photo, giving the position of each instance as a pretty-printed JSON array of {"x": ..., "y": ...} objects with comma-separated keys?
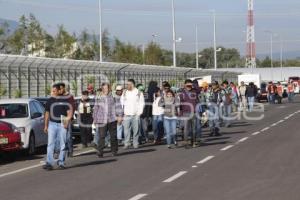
[
  {"x": 271, "y": 92},
  {"x": 291, "y": 91},
  {"x": 279, "y": 92}
]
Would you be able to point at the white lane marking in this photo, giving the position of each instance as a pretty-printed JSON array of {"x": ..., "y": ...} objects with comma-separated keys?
[
  {"x": 226, "y": 148},
  {"x": 256, "y": 133},
  {"x": 205, "y": 159},
  {"x": 20, "y": 170},
  {"x": 280, "y": 121},
  {"x": 282, "y": 107},
  {"x": 137, "y": 197},
  {"x": 194, "y": 166},
  {"x": 176, "y": 176},
  {"x": 38, "y": 165},
  {"x": 84, "y": 152},
  {"x": 243, "y": 139},
  {"x": 275, "y": 124},
  {"x": 265, "y": 129},
  {"x": 287, "y": 117}
]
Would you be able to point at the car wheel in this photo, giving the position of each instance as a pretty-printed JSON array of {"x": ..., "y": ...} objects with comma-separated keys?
[{"x": 31, "y": 146}]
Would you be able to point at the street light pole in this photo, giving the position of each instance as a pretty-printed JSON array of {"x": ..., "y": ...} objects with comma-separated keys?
[
  {"x": 281, "y": 58},
  {"x": 143, "y": 49},
  {"x": 272, "y": 57},
  {"x": 197, "y": 49},
  {"x": 174, "y": 34},
  {"x": 100, "y": 32},
  {"x": 215, "y": 39}
]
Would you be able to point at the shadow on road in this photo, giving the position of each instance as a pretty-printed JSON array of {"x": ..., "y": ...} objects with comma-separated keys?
[
  {"x": 17, "y": 156},
  {"x": 215, "y": 138},
  {"x": 99, "y": 162},
  {"x": 138, "y": 151},
  {"x": 213, "y": 143},
  {"x": 233, "y": 132}
]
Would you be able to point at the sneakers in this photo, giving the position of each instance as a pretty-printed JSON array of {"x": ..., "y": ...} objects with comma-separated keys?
[
  {"x": 114, "y": 154},
  {"x": 93, "y": 145},
  {"x": 61, "y": 167},
  {"x": 48, "y": 167},
  {"x": 100, "y": 155},
  {"x": 70, "y": 154}
]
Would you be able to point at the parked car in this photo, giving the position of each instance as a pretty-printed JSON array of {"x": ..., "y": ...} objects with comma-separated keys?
[
  {"x": 262, "y": 93},
  {"x": 28, "y": 116},
  {"x": 10, "y": 138},
  {"x": 42, "y": 100}
]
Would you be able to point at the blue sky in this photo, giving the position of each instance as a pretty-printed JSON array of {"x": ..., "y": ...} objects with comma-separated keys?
[{"x": 136, "y": 20}]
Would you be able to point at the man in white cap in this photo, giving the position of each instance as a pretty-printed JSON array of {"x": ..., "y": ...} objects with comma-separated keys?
[{"x": 120, "y": 128}]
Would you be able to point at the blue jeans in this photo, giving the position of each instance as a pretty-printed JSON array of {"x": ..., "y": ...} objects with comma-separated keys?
[
  {"x": 251, "y": 103},
  {"x": 199, "y": 125},
  {"x": 158, "y": 124},
  {"x": 291, "y": 96},
  {"x": 69, "y": 141},
  {"x": 96, "y": 137},
  {"x": 213, "y": 116},
  {"x": 190, "y": 127},
  {"x": 170, "y": 129},
  {"x": 120, "y": 131},
  {"x": 131, "y": 124},
  {"x": 226, "y": 111},
  {"x": 56, "y": 132},
  {"x": 272, "y": 98}
]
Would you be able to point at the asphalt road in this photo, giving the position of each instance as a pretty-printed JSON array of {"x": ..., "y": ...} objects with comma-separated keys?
[{"x": 256, "y": 160}]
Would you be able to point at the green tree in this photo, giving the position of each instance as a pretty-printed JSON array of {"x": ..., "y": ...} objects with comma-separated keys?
[
  {"x": 50, "y": 46},
  {"x": 4, "y": 31},
  {"x": 64, "y": 43},
  {"x": 86, "y": 51},
  {"x": 266, "y": 62},
  {"x": 154, "y": 54},
  {"x": 18, "y": 93},
  {"x": 126, "y": 53},
  {"x": 74, "y": 87},
  {"x": 2, "y": 91},
  {"x": 36, "y": 35},
  {"x": 17, "y": 40}
]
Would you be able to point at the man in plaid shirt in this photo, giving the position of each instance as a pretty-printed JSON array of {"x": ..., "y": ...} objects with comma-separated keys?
[{"x": 105, "y": 114}]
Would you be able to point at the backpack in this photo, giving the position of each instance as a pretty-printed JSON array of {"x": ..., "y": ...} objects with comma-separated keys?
[{"x": 228, "y": 99}]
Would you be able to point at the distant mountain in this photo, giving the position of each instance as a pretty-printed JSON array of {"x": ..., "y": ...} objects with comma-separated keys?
[
  {"x": 13, "y": 25},
  {"x": 286, "y": 55}
]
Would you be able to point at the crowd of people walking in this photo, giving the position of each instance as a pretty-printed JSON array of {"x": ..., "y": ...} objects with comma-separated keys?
[{"x": 127, "y": 115}]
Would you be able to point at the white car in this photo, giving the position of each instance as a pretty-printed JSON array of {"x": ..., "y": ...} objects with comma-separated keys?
[{"x": 28, "y": 116}]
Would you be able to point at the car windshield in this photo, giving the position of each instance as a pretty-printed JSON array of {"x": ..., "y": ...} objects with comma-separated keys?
[{"x": 13, "y": 111}]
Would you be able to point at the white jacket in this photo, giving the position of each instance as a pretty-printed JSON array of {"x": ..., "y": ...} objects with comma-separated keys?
[
  {"x": 133, "y": 102},
  {"x": 156, "y": 109}
]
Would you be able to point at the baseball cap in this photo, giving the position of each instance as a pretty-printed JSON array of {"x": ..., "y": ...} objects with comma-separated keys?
[{"x": 119, "y": 87}]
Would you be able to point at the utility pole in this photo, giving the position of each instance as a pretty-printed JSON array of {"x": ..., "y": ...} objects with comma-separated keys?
[
  {"x": 281, "y": 58},
  {"x": 100, "y": 32},
  {"x": 197, "y": 49},
  {"x": 215, "y": 40},
  {"x": 251, "y": 51},
  {"x": 174, "y": 34}
]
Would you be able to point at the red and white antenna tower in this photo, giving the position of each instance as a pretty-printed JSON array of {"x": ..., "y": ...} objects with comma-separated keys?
[{"x": 251, "y": 47}]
